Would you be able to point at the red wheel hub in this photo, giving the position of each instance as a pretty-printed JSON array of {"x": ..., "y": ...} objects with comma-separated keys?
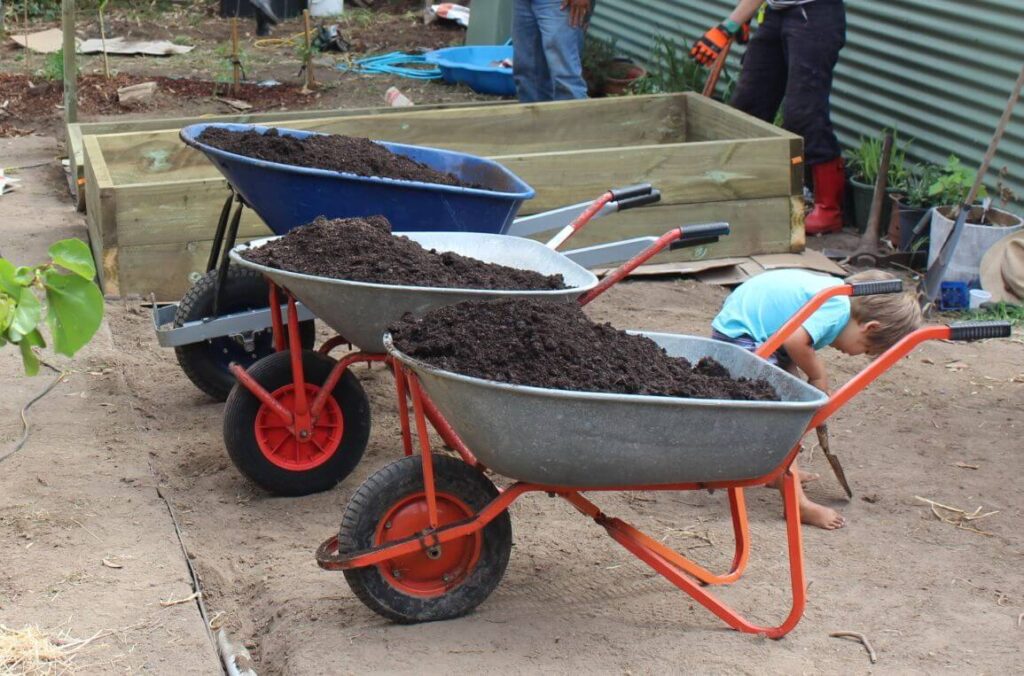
[
  {"x": 436, "y": 571},
  {"x": 284, "y": 447}
]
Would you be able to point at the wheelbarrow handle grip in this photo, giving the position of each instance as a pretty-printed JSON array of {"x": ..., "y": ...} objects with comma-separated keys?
[
  {"x": 875, "y": 288},
  {"x": 979, "y": 330},
  {"x": 619, "y": 194},
  {"x": 639, "y": 201},
  {"x": 688, "y": 233}
]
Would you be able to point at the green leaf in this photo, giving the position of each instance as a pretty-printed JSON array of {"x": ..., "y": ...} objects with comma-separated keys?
[
  {"x": 74, "y": 255},
  {"x": 7, "y": 308},
  {"x": 7, "y": 283},
  {"x": 26, "y": 315},
  {"x": 29, "y": 359},
  {"x": 24, "y": 275},
  {"x": 75, "y": 310}
]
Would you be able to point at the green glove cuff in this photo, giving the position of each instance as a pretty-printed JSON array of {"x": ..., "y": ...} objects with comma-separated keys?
[{"x": 731, "y": 27}]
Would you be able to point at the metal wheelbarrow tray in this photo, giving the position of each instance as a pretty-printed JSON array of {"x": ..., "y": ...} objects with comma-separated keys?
[
  {"x": 595, "y": 439},
  {"x": 286, "y": 196},
  {"x": 362, "y": 311}
]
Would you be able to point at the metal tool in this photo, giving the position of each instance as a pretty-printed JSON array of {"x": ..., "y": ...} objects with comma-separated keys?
[{"x": 833, "y": 460}]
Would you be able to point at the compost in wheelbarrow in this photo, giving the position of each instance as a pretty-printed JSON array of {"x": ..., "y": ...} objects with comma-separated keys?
[
  {"x": 286, "y": 196},
  {"x": 594, "y": 439},
  {"x": 365, "y": 250},
  {"x": 362, "y": 311}
]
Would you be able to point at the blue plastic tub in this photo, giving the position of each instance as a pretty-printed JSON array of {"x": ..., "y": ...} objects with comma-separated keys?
[
  {"x": 287, "y": 196},
  {"x": 476, "y": 67}
]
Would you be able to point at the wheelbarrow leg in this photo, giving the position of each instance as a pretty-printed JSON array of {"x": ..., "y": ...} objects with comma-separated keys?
[
  {"x": 225, "y": 248},
  {"x": 685, "y": 582},
  {"x": 741, "y": 532},
  {"x": 403, "y": 407}
]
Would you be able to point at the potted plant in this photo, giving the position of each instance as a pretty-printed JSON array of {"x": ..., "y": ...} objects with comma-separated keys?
[
  {"x": 605, "y": 73},
  {"x": 862, "y": 164},
  {"x": 910, "y": 205},
  {"x": 984, "y": 227}
]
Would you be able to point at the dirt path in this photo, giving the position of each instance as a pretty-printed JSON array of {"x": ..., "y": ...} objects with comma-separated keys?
[{"x": 82, "y": 492}]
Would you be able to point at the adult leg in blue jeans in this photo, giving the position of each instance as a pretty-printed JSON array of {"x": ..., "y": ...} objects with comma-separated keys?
[
  {"x": 547, "y": 64},
  {"x": 529, "y": 66}
]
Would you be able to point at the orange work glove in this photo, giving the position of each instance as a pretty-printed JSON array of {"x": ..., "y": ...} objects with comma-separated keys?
[{"x": 711, "y": 44}]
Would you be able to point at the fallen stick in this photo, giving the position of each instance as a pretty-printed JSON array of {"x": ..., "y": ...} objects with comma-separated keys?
[
  {"x": 1020, "y": 618},
  {"x": 174, "y": 602},
  {"x": 860, "y": 637}
]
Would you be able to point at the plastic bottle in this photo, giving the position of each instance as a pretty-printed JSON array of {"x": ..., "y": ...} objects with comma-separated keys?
[{"x": 396, "y": 99}]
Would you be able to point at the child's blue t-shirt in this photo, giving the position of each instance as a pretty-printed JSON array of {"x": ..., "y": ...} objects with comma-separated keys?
[{"x": 762, "y": 304}]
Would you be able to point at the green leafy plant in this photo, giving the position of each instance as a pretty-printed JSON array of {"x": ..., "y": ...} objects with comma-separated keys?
[
  {"x": 73, "y": 307},
  {"x": 919, "y": 180},
  {"x": 53, "y": 66},
  {"x": 672, "y": 70},
  {"x": 953, "y": 183},
  {"x": 865, "y": 160}
]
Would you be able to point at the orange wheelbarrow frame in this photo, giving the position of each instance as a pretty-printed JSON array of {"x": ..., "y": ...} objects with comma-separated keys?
[{"x": 684, "y": 573}]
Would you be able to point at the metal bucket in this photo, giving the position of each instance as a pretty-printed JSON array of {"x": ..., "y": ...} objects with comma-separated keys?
[
  {"x": 362, "y": 311},
  {"x": 592, "y": 439}
]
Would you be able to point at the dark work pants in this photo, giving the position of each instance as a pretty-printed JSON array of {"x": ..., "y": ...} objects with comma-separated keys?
[{"x": 789, "y": 61}]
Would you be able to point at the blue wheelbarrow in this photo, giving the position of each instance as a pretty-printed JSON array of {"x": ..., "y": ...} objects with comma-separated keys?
[{"x": 225, "y": 318}]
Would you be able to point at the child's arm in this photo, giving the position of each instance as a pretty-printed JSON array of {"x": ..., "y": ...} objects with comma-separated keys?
[{"x": 801, "y": 350}]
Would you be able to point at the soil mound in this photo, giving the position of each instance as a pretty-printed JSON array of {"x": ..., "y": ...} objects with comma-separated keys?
[
  {"x": 555, "y": 345},
  {"x": 334, "y": 152},
  {"x": 364, "y": 250}
]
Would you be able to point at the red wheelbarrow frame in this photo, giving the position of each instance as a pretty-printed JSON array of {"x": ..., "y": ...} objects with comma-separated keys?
[
  {"x": 686, "y": 574},
  {"x": 303, "y": 418}
]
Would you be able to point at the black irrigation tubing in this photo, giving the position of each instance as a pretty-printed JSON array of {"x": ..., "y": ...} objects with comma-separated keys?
[{"x": 24, "y": 418}]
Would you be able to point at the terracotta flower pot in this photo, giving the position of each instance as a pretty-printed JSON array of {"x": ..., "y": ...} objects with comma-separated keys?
[{"x": 620, "y": 75}]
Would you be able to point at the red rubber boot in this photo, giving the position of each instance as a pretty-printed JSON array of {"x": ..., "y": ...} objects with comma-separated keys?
[{"x": 829, "y": 185}]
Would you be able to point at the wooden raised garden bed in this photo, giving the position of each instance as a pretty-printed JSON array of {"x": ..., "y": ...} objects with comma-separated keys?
[{"x": 152, "y": 202}]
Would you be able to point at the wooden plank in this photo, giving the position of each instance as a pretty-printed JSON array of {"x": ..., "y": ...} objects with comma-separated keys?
[
  {"x": 157, "y": 213},
  {"x": 710, "y": 120},
  {"x": 758, "y": 226},
  {"x": 162, "y": 213},
  {"x": 164, "y": 270},
  {"x": 684, "y": 172},
  {"x": 101, "y": 220},
  {"x": 518, "y": 128},
  {"x": 76, "y": 130}
]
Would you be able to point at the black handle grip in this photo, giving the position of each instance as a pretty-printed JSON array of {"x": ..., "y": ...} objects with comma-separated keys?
[
  {"x": 979, "y": 330},
  {"x": 619, "y": 194},
  {"x": 691, "y": 241},
  {"x": 640, "y": 200},
  {"x": 875, "y": 288},
  {"x": 704, "y": 230}
]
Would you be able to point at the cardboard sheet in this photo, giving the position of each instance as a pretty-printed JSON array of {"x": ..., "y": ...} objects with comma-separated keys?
[
  {"x": 44, "y": 42},
  {"x": 733, "y": 271},
  {"x": 124, "y": 47}
]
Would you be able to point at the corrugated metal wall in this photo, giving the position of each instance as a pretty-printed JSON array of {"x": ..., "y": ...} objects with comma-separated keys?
[{"x": 938, "y": 70}]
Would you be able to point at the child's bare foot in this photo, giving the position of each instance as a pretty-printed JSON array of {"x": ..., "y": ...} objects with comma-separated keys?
[
  {"x": 821, "y": 516},
  {"x": 808, "y": 477}
]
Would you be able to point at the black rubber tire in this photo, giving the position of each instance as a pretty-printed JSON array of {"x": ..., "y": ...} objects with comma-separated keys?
[
  {"x": 273, "y": 372},
  {"x": 372, "y": 501},
  {"x": 206, "y": 363}
]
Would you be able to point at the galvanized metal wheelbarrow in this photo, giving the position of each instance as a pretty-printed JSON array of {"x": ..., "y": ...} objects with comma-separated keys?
[
  {"x": 224, "y": 318},
  {"x": 297, "y": 421},
  {"x": 429, "y": 538}
]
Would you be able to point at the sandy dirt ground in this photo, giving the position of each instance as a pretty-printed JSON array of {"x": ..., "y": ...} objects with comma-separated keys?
[
  {"x": 89, "y": 548},
  {"x": 932, "y": 598}
]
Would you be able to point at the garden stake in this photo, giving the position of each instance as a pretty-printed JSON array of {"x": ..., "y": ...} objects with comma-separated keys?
[
  {"x": 70, "y": 66},
  {"x": 103, "y": 38},
  {"x": 235, "y": 63},
  {"x": 28, "y": 52},
  {"x": 310, "y": 80}
]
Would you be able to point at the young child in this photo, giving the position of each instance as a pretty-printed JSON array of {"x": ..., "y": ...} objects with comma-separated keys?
[{"x": 862, "y": 325}]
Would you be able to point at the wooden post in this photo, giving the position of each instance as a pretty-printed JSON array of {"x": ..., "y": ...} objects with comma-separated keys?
[
  {"x": 310, "y": 80},
  {"x": 67, "y": 16},
  {"x": 235, "y": 67}
]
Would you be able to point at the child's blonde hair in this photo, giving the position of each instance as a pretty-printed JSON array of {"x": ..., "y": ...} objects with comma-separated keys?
[{"x": 897, "y": 314}]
